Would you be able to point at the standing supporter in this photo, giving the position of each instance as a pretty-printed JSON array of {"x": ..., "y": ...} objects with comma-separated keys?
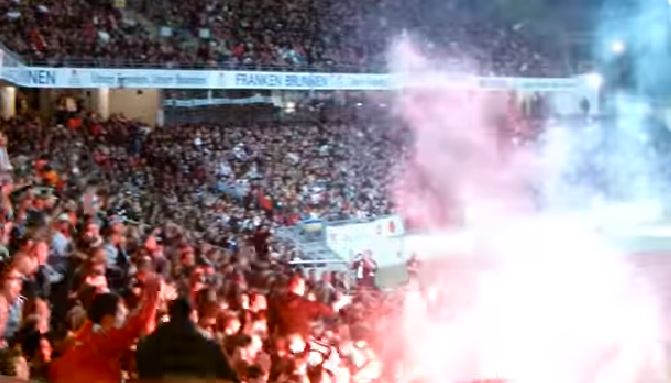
[
  {"x": 248, "y": 355},
  {"x": 117, "y": 259},
  {"x": 231, "y": 332},
  {"x": 91, "y": 272},
  {"x": 61, "y": 243},
  {"x": 90, "y": 236},
  {"x": 36, "y": 346},
  {"x": 49, "y": 176},
  {"x": 365, "y": 267},
  {"x": 260, "y": 241},
  {"x": 177, "y": 351},
  {"x": 98, "y": 346},
  {"x": 412, "y": 266},
  {"x": 11, "y": 302},
  {"x": 293, "y": 313},
  {"x": 90, "y": 200},
  {"x": 5, "y": 164},
  {"x": 60, "y": 262},
  {"x": 6, "y": 226},
  {"x": 187, "y": 261},
  {"x": 38, "y": 275}
]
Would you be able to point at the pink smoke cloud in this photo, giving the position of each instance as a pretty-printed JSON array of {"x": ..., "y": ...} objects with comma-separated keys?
[{"x": 541, "y": 298}]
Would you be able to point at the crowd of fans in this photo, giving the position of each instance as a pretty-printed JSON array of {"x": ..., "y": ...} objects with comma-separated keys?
[
  {"x": 241, "y": 176},
  {"x": 81, "y": 32},
  {"x": 114, "y": 232},
  {"x": 323, "y": 35}
]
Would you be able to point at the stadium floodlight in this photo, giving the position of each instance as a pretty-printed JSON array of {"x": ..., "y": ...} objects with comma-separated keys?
[
  {"x": 290, "y": 107},
  {"x": 618, "y": 46},
  {"x": 595, "y": 79}
]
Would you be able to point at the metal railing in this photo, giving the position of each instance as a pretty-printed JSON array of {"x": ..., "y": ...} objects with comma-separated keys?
[
  {"x": 310, "y": 256},
  {"x": 352, "y": 221}
]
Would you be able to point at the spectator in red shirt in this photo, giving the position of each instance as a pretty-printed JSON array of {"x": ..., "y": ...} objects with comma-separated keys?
[
  {"x": 99, "y": 344},
  {"x": 294, "y": 313}
]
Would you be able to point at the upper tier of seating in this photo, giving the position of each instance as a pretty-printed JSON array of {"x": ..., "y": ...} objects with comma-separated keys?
[{"x": 326, "y": 35}]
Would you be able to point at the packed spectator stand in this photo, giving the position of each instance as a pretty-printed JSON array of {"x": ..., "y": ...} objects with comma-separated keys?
[
  {"x": 349, "y": 36},
  {"x": 57, "y": 32},
  {"x": 97, "y": 210},
  {"x": 137, "y": 252}
]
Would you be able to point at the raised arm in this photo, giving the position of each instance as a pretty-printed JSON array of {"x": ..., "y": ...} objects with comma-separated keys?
[{"x": 121, "y": 339}]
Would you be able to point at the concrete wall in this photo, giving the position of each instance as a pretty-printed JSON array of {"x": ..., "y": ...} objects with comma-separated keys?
[{"x": 140, "y": 105}]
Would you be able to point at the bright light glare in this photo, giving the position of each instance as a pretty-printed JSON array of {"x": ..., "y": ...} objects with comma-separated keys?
[
  {"x": 595, "y": 79},
  {"x": 618, "y": 46}
]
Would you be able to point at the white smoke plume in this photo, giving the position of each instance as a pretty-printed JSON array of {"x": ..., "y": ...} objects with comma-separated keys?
[{"x": 541, "y": 297}]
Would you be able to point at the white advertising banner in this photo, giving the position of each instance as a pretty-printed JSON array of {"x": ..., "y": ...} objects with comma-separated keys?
[
  {"x": 114, "y": 78},
  {"x": 351, "y": 239},
  {"x": 43, "y": 77}
]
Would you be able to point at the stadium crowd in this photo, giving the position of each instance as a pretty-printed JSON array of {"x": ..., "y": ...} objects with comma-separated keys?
[
  {"x": 242, "y": 175},
  {"x": 112, "y": 231},
  {"x": 133, "y": 252},
  {"x": 54, "y": 33},
  {"x": 324, "y": 35}
]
